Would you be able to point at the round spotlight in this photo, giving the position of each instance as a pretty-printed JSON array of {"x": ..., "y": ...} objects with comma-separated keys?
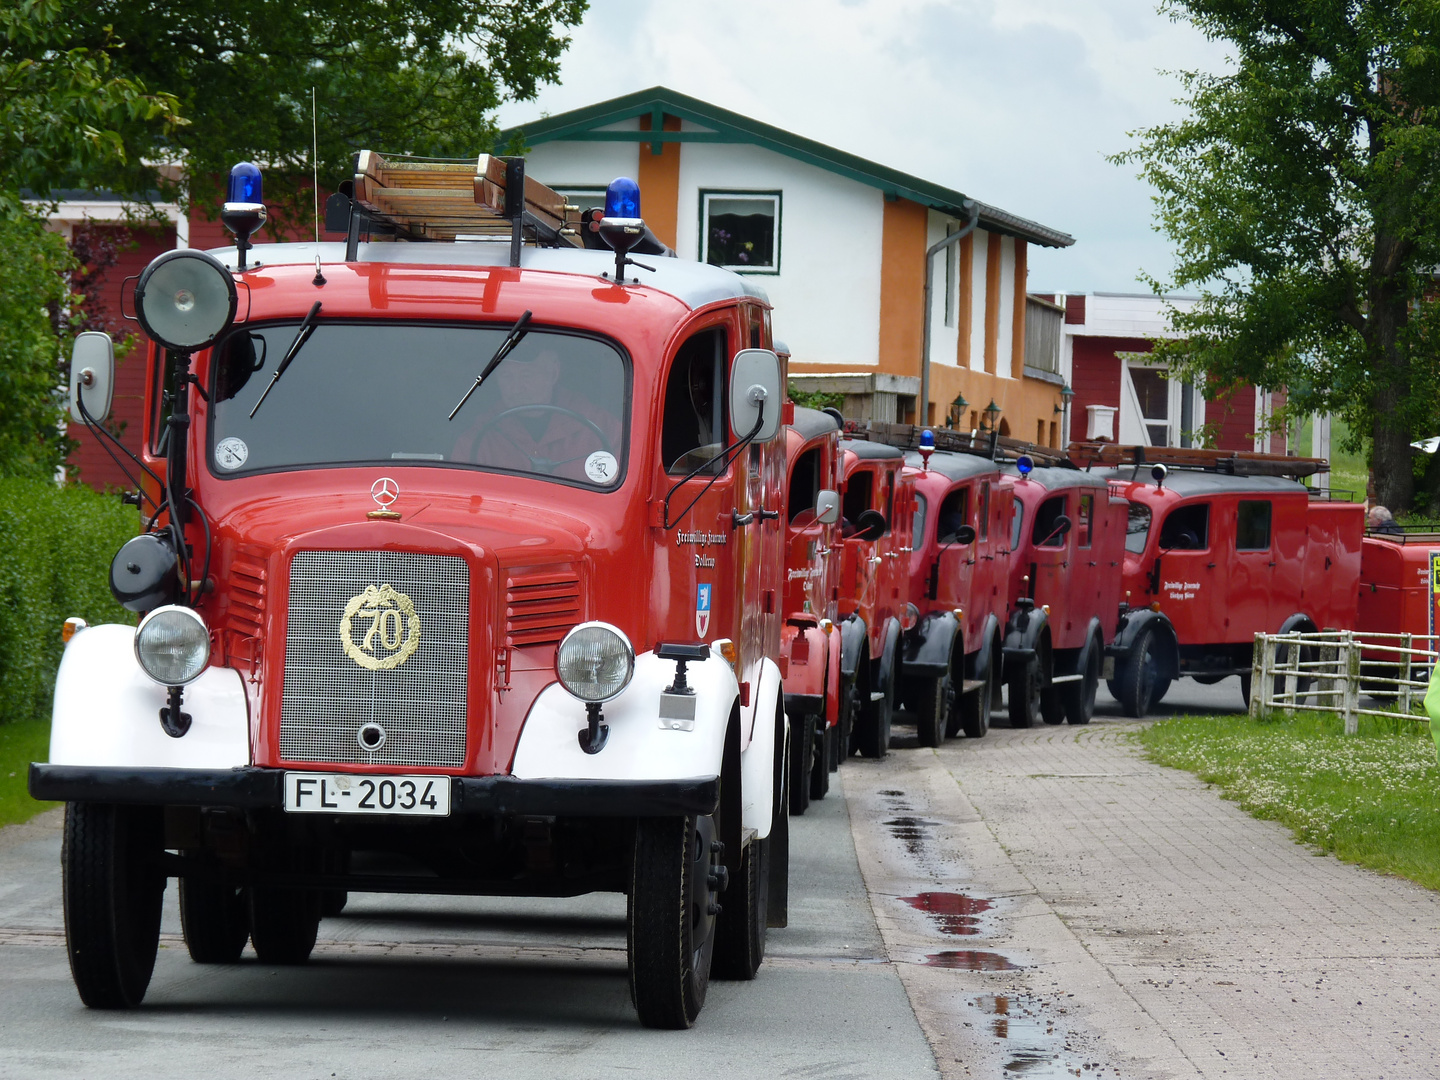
[
  {"x": 595, "y": 662},
  {"x": 172, "y": 644},
  {"x": 185, "y": 299}
]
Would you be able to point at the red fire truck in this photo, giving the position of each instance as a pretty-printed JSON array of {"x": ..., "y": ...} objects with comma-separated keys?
[
  {"x": 877, "y": 507},
  {"x": 1219, "y": 547},
  {"x": 959, "y": 580},
  {"x": 1066, "y": 545},
  {"x": 464, "y": 575},
  {"x": 810, "y": 652}
]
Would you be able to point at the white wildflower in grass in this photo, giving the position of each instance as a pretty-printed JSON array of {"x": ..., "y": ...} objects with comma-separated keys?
[{"x": 1370, "y": 798}]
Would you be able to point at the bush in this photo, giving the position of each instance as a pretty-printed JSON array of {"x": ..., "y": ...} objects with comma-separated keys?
[{"x": 57, "y": 564}]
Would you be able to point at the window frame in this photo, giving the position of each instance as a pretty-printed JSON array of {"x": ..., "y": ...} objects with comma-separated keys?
[{"x": 706, "y": 194}]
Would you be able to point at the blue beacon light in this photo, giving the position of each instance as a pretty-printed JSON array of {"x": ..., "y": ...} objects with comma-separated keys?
[
  {"x": 927, "y": 447},
  {"x": 246, "y": 184},
  {"x": 622, "y": 198},
  {"x": 244, "y": 209},
  {"x": 1024, "y": 464}
]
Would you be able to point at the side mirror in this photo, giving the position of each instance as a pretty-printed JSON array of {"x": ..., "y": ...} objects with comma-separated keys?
[
  {"x": 1062, "y": 525},
  {"x": 756, "y": 391},
  {"x": 965, "y": 535},
  {"x": 92, "y": 373},
  {"x": 827, "y": 507},
  {"x": 870, "y": 525}
]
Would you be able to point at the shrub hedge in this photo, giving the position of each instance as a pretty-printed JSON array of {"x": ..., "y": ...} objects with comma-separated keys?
[{"x": 61, "y": 541}]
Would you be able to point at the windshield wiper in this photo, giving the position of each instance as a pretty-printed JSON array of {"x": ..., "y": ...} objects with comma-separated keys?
[
  {"x": 517, "y": 333},
  {"x": 307, "y": 327}
]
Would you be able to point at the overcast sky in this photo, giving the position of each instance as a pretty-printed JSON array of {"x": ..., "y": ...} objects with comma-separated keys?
[{"x": 1014, "y": 102}]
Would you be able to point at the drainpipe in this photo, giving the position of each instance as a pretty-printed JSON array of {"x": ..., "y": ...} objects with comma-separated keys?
[{"x": 973, "y": 209}]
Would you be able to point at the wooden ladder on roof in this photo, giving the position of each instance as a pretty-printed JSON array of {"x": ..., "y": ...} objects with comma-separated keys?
[{"x": 1231, "y": 462}]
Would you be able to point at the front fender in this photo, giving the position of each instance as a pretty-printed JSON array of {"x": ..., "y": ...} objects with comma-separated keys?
[
  {"x": 640, "y": 745},
  {"x": 757, "y": 761},
  {"x": 853, "y": 637},
  {"x": 981, "y": 659},
  {"x": 887, "y": 664},
  {"x": 927, "y": 646},
  {"x": 1167, "y": 655},
  {"x": 107, "y": 710},
  {"x": 804, "y": 648}
]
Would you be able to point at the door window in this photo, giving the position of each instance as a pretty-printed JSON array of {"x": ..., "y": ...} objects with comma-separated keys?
[
  {"x": 1137, "y": 529},
  {"x": 1084, "y": 520},
  {"x": 859, "y": 490},
  {"x": 954, "y": 512},
  {"x": 693, "y": 428},
  {"x": 1045, "y": 533},
  {"x": 983, "y": 532},
  {"x": 1017, "y": 524},
  {"x": 917, "y": 527},
  {"x": 805, "y": 483},
  {"x": 1186, "y": 528},
  {"x": 1252, "y": 525}
]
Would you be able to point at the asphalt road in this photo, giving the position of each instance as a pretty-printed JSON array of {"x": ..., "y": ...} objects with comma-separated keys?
[{"x": 431, "y": 986}]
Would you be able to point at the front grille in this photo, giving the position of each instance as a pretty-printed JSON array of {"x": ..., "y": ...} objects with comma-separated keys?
[{"x": 419, "y": 699}]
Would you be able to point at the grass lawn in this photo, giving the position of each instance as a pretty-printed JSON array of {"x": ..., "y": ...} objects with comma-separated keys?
[
  {"x": 21, "y": 742},
  {"x": 1371, "y": 799}
]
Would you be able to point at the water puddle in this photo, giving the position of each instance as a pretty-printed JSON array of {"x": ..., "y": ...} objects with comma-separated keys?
[
  {"x": 1033, "y": 1044},
  {"x": 952, "y": 913},
  {"x": 970, "y": 960},
  {"x": 911, "y": 831},
  {"x": 892, "y": 791}
]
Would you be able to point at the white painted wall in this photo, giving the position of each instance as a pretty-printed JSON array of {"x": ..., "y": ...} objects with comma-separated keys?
[
  {"x": 1005, "y": 351},
  {"x": 978, "y": 278},
  {"x": 584, "y": 164},
  {"x": 827, "y": 294},
  {"x": 944, "y": 340},
  {"x": 1128, "y": 315}
]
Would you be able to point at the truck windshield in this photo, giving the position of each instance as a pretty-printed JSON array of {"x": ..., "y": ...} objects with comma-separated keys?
[{"x": 379, "y": 393}]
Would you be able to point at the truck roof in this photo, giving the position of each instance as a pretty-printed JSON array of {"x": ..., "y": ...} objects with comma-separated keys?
[
  {"x": 810, "y": 423},
  {"x": 863, "y": 448},
  {"x": 1186, "y": 482},
  {"x": 1056, "y": 479},
  {"x": 953, "y": 466},
  {"x": 694, "y": 284}
]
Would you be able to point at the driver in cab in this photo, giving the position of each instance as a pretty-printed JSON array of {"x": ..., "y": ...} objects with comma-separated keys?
[{"x": 533, "y": 422}]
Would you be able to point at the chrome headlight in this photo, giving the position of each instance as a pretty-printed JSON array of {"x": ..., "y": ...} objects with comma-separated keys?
[
  {"x": 172, "y": 644},
  {"x": 595, "y": 661}
]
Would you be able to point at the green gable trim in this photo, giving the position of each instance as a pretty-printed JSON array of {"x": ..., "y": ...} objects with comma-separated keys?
[{"x": 579, "y": 125}]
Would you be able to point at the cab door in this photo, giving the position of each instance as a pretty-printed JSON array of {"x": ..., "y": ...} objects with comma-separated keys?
[
  {"x": 1192, "y": 594},
  {"x": 858, "y": 577}
]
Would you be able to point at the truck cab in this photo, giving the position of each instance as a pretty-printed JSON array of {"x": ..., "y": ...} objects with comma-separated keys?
[
  {"x": 810, "y": 653},
  {"x": 1214, "y": 557},
  {"x": 876, "y": 507},
  {"x": 959, "y": 580},
  {"x": 1066, "y": 544},
  {"x": 463, "y": 578}
]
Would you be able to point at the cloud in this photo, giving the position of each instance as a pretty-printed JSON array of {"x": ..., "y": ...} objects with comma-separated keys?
[{"x": 1015, "y": 102}]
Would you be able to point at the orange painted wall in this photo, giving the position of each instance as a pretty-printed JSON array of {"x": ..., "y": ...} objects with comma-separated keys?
[
  {"x": 902, "y": 286},
  {"x": 965, "y": 312},
  {"x": 659, "y": 179}
]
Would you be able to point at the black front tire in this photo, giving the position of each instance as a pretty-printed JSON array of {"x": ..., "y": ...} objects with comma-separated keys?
[
  {"x": 1079, "y": 697},
  {"x": 215, "y": 918},
  {"x": 973, "y": 714},
  {"x": 935, "y": 707},
  {"x": 825, "y": 759},
  {"x": 671, "y": 919},
  {"x": 1052, "y": 705},
  {"x": 112, "y": 890},
  {"x": 802, "y": 762},
  {"x": 851, "y": 697},
  {"x": 1139, "y": 676},
  {"x": 284, "y": 924},
  {"x": 1025, "y": 694},
  {"x": 873, "y": 737}
]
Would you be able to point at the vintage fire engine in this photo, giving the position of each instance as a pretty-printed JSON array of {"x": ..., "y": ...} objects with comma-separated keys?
[
  {"x": 1221, "y": 546},
  {"x": 463, "y": 575},
  {"x": 874, "y": 608},
  {"x": 810, "y": 643},
  {"x": 1067, "y": 542}
]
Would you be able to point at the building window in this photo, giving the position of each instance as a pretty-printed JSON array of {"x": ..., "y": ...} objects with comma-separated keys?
[
  {"x": 740, "y": 230},
  {"x": 1152, "y": 388}
]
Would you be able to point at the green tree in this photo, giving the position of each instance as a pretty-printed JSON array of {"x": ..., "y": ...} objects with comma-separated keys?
[
  {"x": 416, "y": 76},
  {"x": 1302, "y": 194}
]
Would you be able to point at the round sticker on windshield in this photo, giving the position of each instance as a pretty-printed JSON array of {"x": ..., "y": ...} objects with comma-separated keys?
[
  {"x": 601, "y": 467},
  {"x": 231, "y": 453}
]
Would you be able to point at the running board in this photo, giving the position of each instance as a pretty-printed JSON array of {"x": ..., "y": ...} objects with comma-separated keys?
[
  {"x": 969, "y": 686},
  {"x": 876, "y": 695},
  {"x": 1065, "y": 678}
]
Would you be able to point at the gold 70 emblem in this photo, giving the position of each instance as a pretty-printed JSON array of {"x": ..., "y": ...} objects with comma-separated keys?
[{"x": 394, "y": 627}]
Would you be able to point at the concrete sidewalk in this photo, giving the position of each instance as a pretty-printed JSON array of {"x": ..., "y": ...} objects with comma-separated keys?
[{"x": 1153, "y": 929}]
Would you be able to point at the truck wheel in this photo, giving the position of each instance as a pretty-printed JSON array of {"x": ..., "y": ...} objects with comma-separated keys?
[
  {"x": 671, "y": 918},
  {"x": 740, "y": 926},
  {"x": 284, "y": 924},
  {"x": 802, "y": 761},
  {"x": 1025, "y": 694},
  {"x": 824, "y": 755},
  {"x": 215, "y": 919},
  {"x": 1245, "y": 690},
  {"x": 875, "y": 716},
  {"x": 1079, "y": 697},
  {"x": 850, "y": 706},
  {"x": 1052, "y": 706},
  {"x": 937, "y": 702},
  {"x": 973, "y": 714},
  {"x": 111, "y": 895},
  {"x": 1139, "y": 675}
]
